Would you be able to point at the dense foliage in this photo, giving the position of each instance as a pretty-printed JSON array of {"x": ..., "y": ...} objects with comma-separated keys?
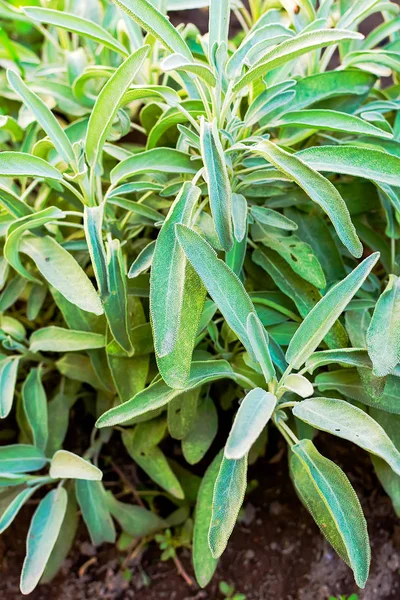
[{"x": 179, "y": 209}]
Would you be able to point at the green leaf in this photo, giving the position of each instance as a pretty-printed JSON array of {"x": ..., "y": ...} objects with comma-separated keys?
[
  {"x": 12, "y": 204},
  {"x": 218, "y": 23},
  {"x": 168, "y": 273},
  {"x": 317, "y": 187},
  {"x": 67, "y": 465},
  {"x": 239, "y": 216},
  {"x": 182, "y": 412},
  {"x": 219, "y": 188},
  {"x": 64, "y": 541},
  {"x": 331, "y": 120},
  {"x": 93, "y": 223},
  {"x": 178, "y": 62},
  {"x": 21, "y": 164},
  {"x": 136, "y": 521},
  {"x": 273, "y": 218},
  {"x": 42, "y": 536},
  {"x": 143, "y": 261},
  {"x": 35, "y": 406},
  {"x": 352, "y": 160},
  {"x": 222, "y": 284},
  {"x": 92, "y": 500},
  {"x": 8, "y": 379},
  {"x": 158, "y": 394},
  {"x": 62, "y": 271},
  {"x": 351, "y": 423},
  {"x": 116, "y": 302},
  {"x": 44, "y": 116},
  {"x": 327, "y": 493},
  {"x": 254, "y": 413},
  {"x": 58, "y": 339},
  {"x": 292, "y": 49},
  {"x": 17, "y": 500},
  {"x": 147, "y": 16},
  {"x": 229, "y": 491},
  {"x": 321, "y": 318},
  {"x": 303, "y": 294},
  {"x": 203, "y": 562},
  {"x": 21, "y": 458},
  {"x": 383, "y": 336},
  {"x": 16, "y": 231},
  {"x": 76, "y": 24},
  {"x": 151, "y": 459},
  {"x": 356, "y": 357},
  {"x": 202, "y": 433},
  {"x": 157, "y": 160},
  {"x": 259, "y": 342},
  {"x": 108, "y": 102},
  {"x": 297, "y": 384}
]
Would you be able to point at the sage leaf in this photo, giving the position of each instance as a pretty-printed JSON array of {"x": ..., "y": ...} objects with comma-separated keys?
[
  {"x": 58, "y": 339},
  {"x": 259, "y": 342},
  {"x": 67, "y": 465},
  {"x": 222, "y": 284},
  {"x": 108, "y": 103},
  {"x": 318, "y": 188},
  {"x": 321, "y": 318},
  {"x": 229, "y": 491},
  {"x": 328, "y": 495},
  {"x": 21, "y": 458},
  {"x": 42, "y": 536},
  {"x": 92, "y": 500},
  {"x": 383, "y": 335},
  {"x": 203, "y": 562},
  {"x": 8, "y": 379},
  {"x": 219, "y": 188},
  {"x": 254, "y": 413},
  {"x": 351, "y": 423},
  {"x": 35, "y": 406}
]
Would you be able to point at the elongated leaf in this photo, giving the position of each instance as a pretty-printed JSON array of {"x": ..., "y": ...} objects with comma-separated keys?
[
  {"x": 356, "y": 357},
  {"x": 318, "y": 188},
  {"x": 254, "y": 413},
  {"x": 352, "y": 160},
  {"x": 158, "y": 394},
  {"x": 147, "y": 16},
  {"x": 321, "y": 318},
  {"x": 93, "y": 222},
  {"x": 62, "y": 271},
  {"x": 92, "y": 500},
  {"x": 298, "y": 385},
  {"x": 12, "y": 204},
  {"x": 116, "y": 302},
  {"x": 273, "y": 218},
  {"x": 108, "y": 103},
  {"x": 330, "y": 498},
  {"x": 157, "y": 160},
  {"x": 167, "y": 280},
  {"x": 222, "y": 284},
  {"x": 178, "y": 62},
  {"x": 21, "y": 458},
  {"x": 383, "y": 336},
  {"x": 21, "y": 164},
  {"x": 143, "y": 261},
  {"x": 331, "y": 120},
  {"x": 259, "y": 342},
  {"x": 16, "y": 231},
  {"x": 202, "y": 434},
  {"x": 58, "y": 339},
  {"x": 136, "y": 521},
  {"x": 293, "y": 48},
  {"x": 44, "y": 116},
  {"x": 203, "y": 561},
  {"x": 15, "y": 505},
  {"x": 76, "y": 24},
  {"x": 8, "y": 378},
  {"x": 229, "y": 491},
  {"x": 67, "y": 465},
  {"x": 35, "y": 406},
  {"x": 218, "y": 24},
  {"x": 219, "y": 188},
  {"x": 351, "y": 423},
  {"x": 42, "y": 536}
]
